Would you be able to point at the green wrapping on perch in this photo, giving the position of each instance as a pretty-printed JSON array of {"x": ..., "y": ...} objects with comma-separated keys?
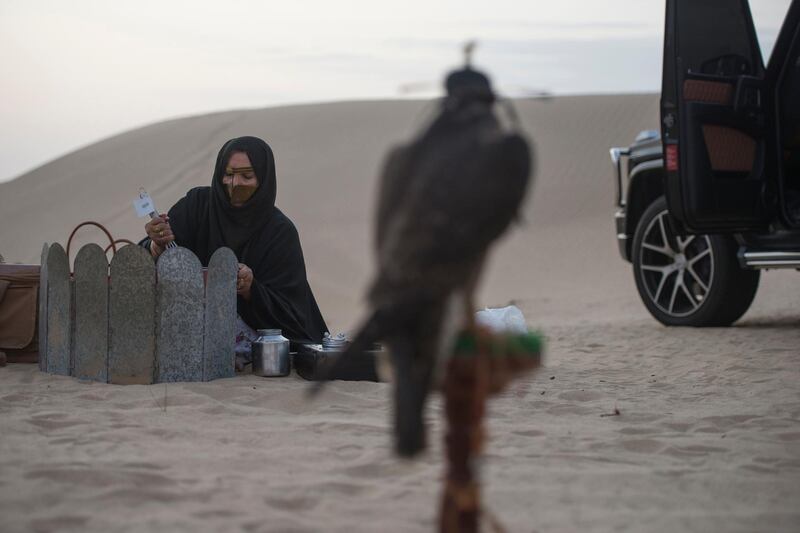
[{"x": 500, "y": 344}]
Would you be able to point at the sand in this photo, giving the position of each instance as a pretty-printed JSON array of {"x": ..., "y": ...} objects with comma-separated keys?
[{"x": 708, "y": 432}]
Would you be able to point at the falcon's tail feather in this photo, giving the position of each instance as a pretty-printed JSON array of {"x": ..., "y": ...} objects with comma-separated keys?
[
  {"x": 384, "y": 322},
  {"x": 412, "y": 377}
]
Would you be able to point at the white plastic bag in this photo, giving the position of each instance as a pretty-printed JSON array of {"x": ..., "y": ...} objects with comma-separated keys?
[{"x": 503, "y": 319}]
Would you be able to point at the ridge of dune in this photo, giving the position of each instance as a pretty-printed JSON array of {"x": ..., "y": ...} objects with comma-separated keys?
[{"x": 328, "y": 158}]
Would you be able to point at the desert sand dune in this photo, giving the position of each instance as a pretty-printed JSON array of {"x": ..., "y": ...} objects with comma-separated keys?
[
  {"x": 328, "y": 158},
  {"x": 708, "y": 432}
]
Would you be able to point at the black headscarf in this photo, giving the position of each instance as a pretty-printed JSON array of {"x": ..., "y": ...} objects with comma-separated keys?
[
  {"x": 234, "y": 226},
  {"x": 261, "y": 236}
]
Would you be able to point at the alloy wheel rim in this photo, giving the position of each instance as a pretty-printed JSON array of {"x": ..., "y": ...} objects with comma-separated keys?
[{"x": 677, "y": 272}]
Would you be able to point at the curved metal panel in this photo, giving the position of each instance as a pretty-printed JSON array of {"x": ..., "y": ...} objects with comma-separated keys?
[
  {"x": 179, "y": 317},
  {"x": 59, "y": 302},
  {"x": 91, "y": 314},
  {"x": 132, "y": 298},
  {"x": 220, "y": 316}
]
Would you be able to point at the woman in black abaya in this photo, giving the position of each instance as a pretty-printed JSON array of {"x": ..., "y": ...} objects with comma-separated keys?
[{"x": 238, "y": 211}]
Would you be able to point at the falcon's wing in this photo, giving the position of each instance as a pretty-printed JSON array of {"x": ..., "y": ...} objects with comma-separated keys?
[
  {"x": 465, "y": 196},
  {"x": 391, "y": 189},
  {"x": 497, "y": 191}
]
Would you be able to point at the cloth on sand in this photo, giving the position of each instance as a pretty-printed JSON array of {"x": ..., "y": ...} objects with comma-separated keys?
[{"x": 245, "y": 336}]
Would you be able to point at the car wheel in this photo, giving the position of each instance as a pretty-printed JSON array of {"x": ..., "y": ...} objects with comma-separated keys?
[{"x": 692, "y": 280}]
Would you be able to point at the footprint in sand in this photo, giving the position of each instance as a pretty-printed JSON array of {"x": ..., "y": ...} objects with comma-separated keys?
[
  {"x": 708, "y": 429},
  {"x": 129, "y": 406},
  {"x": 375, "y": 470},
  {"x": 218, "y": 513},
  {"x": 349, "y": 428},
  {"x": 725, "y": 422},
  {"x": 696, "y": 448},
  {"x": 121, "y": 425},
  {"x": 293, "y": 499},
  {"x": 529, "y": 433},
  {"x": 643, "y": 445},
  {"x": 16, "y": 397},
  {"x": 681, "y": 427},
  {"x": 580, "y": 396},
  {"x": 341, "y": 487},
  {"x": 53, "y": 421},
  {"x": 93, "y": 477},
  {"x": 91, "y": 396},
  {"x": 337, "y": 409},
  {"x": 348, "y": 451},
  {"x": 220, "y": 410},
  {"x": 146, "y": 466},
  {"x": 304, "y": 502},
  {"x": 63, "y": 440},
  {"x": 164, "y": 433},
  {"x": 60, "y": 523},
  {"x": 260, "y": 526},
  {"x": 133, "y": 496},
  {"x": 693, "y": 451},
  {"x": 638, "y": 431},
  {"x": 758, "y": 469},
  {"x": 766, "y": 460},
  {"x": 568, "y": 409}
]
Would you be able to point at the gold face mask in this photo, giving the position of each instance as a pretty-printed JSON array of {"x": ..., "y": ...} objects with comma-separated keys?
[{"x": 239, "y": 193}]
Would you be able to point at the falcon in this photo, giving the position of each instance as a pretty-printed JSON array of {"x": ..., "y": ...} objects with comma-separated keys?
[{"x": 443, "y": 199}]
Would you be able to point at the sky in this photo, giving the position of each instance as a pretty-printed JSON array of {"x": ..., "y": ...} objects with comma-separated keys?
[{"x": 77, "y": 71}]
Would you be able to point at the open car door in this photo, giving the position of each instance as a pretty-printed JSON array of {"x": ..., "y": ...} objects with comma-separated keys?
[{"x": 714, "y": 118}]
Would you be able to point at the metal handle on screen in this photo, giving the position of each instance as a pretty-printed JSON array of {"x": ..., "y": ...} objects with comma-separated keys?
[{"x": 154, "y": 214}]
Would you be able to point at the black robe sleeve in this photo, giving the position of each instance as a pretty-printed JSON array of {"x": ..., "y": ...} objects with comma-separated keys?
[
  {"x": 280, "y": 296},
  {"x": 185, "y": 220}
]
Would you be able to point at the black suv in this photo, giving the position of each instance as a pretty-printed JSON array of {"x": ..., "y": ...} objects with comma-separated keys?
[{"x": 715, "y": 196}]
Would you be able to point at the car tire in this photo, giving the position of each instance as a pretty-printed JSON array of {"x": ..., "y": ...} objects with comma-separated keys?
[{"x": 692, "y": 280}]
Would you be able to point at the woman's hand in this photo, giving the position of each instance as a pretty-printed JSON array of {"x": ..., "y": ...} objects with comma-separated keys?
[
  {"x": 244, "y": 280},
  {"x": 160, "y": 233}
]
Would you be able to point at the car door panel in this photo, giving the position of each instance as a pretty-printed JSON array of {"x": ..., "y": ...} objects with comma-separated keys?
[
  {"x": 719, "y": 177},
  {"x": 708, "y": 91},
  {"x": 713, "y": 118}
]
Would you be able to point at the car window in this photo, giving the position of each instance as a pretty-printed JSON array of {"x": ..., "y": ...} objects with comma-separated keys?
[
  {"x": 722, "y": 48},
  {"x": 768, "y": 16}
]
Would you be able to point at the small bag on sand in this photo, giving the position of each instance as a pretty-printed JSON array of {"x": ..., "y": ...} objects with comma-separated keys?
[{"x": 19, "y": 287}]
